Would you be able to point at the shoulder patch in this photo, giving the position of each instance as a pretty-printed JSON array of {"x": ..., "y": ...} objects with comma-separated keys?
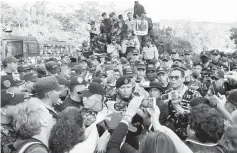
[{"x": 7, "y": 83}]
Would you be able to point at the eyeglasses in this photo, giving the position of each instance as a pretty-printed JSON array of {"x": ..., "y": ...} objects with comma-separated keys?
[
  {"x": 174, "y": 77},
  {"x": 53, "y": 113}
]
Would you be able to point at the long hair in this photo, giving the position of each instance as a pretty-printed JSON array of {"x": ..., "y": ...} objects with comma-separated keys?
[
  {"x": 157, "y": 142},
  {"x": 68, "y": 131}
]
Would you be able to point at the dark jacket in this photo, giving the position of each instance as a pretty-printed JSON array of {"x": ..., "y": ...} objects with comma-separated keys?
[
  {"x": 116, "y": 140},
  {"x": 138, "y": 10}
]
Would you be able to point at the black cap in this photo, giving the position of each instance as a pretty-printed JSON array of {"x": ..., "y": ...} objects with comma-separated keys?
[
  {"x": 94, "y": 88},
  {"x": 122, "y": 81},
  {"x": 154, "y": 84}
]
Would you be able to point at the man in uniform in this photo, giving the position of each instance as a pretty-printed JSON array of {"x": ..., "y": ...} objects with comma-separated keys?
[
  {"x": 215, "y": 56},
  {"x": 10, "y": 66},
  {"x": 188, "y": 58},
  {"x": 150, "y": 72},
  {"x": 179, "y": 99}
]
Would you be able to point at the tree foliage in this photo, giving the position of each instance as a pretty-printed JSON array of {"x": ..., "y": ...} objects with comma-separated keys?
[
  {"x": 70, "y": 23},
  {"x": 233, "y": 35}
]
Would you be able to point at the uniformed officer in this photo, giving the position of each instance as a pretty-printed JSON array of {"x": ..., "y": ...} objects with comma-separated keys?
[{"x": 215, "y": 57}]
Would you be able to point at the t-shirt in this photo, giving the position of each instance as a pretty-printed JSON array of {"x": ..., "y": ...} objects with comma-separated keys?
[{"x": 68, "y": 103}]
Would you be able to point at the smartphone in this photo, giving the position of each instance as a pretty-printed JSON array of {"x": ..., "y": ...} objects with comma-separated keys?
[{"x": 148, "y": 103}]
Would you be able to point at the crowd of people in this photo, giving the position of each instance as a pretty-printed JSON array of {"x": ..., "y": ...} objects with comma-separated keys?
[{"x": 124, "y": 98}]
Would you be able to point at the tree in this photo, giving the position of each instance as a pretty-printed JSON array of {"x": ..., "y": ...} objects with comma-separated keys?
[{"x": 233, "y": 35}]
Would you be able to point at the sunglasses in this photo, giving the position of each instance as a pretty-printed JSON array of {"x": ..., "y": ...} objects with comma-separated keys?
[
  {"x": 174, "y": 77},
  {"x": 214, "y": 78},
  {"x": 53, "y": 113}
]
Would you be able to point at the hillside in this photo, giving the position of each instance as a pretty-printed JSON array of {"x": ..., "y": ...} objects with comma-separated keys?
[{"x": 208, "y": 35}]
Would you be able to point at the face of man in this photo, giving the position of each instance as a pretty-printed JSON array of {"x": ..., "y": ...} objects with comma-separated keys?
[
  {"x": 136, "y": 57},
  {"x": 54, "y": 96},
  {"x": 130, "y": 16},
  {"x": 94, "y": 102},
  {"x": 188, "y": 74},
  {"x": 230, "y": 107},
  {"x": 176, "y": 79},
  {"x": 110, "y": 73},
  {"x": 197, "y": 69},
  {"x": 162, "y": 77},
  {"x": 125, "y": 91},
  {"x": 165, "y": 63},
  {"x": 117, "y": 75},
  {"x": 129, "y": 34},
  {"x": 215, "y": 57},
  {"x": 141, "y": 73},
  {"x": 150, "y": 75},
  {"x": 154, "y": 92},
  {"x": 149, "y": 43},
  {"x": 234, "y": 59},
  {"x": 187, "y": 57},
  {"x": 174, "y": 55},
  {"x": 113, "y": 41},
  {"x": 12, "y": 66},
  {"x": 29, "y": 86}
]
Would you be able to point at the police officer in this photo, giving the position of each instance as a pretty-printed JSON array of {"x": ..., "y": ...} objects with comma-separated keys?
[{"x": 215, "y": 56}]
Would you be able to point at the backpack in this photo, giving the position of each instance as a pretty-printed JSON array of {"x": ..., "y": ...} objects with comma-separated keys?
[{"x": 23, "y": 147}]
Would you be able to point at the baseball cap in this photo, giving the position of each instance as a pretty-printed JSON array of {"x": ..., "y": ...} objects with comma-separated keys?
[
  {"x": 151, "y": 67},
  {"x": 215, "y": 52},
  {"x": 23, "y": 68},
  {"x": 41, "y": 70},
  {"x": 135, "y": 52},
  {"x": 46, "y": 84},
  {"x": 77, "y": 68},
  {"x": 232, "y": 97},
  {"x": 122, "y": 81},
  {"x": 154, "y": 84},
  {"x": 11, "y": 99},
  {"x": 30, "y": 76},
  {"x": 9, "y": 59},
  {"x": 96, "y": 79},
  {"x": 123, "y": 60},
  {"x": 77, "y": 80},
  {"x": 129, "y": 72},
  {"x": 177, "y": 59},
  {"x": 8, "y": 81},
  {"x": 140, "y": 65},
  {"x": 165, "y": 57},
  {"x": 204, "y": 54},
  {"x": 94, "y": 88},
  {"x": 161, "y": 70},
  {"x": 109, "y": 66},
  {"x": 187, "y": 52},
  {"x": 173, "y": 51},
  {"x": 52, "y": 67}
]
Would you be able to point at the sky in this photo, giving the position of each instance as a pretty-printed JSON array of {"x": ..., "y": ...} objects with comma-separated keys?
[{"x": 221, "y": 11}]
